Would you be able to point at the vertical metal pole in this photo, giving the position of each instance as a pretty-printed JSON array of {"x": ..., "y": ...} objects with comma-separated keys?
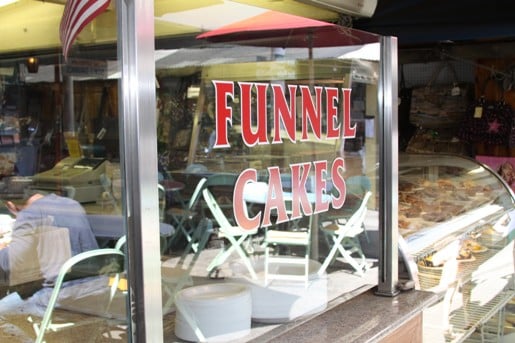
[
  {"x": 388, "y": 160},
  {"x": 139, "y": 162},
  {"x": 69, "y": 105}
]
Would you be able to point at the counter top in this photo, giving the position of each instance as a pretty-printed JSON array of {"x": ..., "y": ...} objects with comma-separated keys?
[{"x": 365, "y": 318}]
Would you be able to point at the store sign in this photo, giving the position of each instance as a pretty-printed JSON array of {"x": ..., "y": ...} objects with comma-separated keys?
[{"x": 255, "y": 131}]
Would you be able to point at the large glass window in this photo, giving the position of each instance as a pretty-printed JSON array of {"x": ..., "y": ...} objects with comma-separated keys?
[
  {"x": 267, "y": 175},
  {"x": 268, "y": 150},
  {"x": 62, "y": 258}
]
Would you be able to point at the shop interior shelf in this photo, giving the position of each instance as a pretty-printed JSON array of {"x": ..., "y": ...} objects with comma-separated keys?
[{"x": 474, "y": 318}]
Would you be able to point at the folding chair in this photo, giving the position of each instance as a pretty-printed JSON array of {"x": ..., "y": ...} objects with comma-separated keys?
[
  {"x": 174, "y": 278},
  {"x": 344, "y": 235},
  {"x": 64, "y": 271},
  {"x": 300, "y": 237},
  {"x": 234, "y": 234},
  {"x": 182, "y": 217},
  {"x": 120, "y": 243},
  {"x": 221, "y": 185},
  {"x": 199, "y": 238}
]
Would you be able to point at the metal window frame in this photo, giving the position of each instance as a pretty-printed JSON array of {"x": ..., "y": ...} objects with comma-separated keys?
[
  {"x": 388, "y": 164},
  {"x": 139, "y": 151}
]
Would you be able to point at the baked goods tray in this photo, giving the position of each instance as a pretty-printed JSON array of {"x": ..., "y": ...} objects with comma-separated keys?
[{"x": 433, "y": 237}]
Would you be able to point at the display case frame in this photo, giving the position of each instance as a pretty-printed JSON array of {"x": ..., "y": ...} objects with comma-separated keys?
[{"x": 464, "y": 255}]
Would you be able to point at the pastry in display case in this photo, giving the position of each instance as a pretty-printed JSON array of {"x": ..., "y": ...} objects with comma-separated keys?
[{"x": 456, "y": 222}]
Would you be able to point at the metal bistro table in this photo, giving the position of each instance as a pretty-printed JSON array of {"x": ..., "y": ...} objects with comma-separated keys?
[{"x": 174, "y": 188}]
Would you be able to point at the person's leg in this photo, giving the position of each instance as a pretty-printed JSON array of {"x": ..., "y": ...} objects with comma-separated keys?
[{"x": 26, "y": 290}]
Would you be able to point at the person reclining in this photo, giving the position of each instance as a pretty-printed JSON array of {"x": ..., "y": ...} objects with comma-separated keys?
[{"x": 43, "y": 211}]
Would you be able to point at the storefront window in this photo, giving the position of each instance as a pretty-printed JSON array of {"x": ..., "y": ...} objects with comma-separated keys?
[
  {"x": 62, "y": 227},
  {"x": 268, "y": 150},
  {"x": 267, "y": 173}
]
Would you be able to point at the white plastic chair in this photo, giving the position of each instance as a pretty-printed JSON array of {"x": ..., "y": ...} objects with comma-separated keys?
[
  {"x": 234, "y": 234},
  {"x": 221, "y": 185},
  {"x": 46, "y": 322},
  {"x": 299, "y": 237},
  {"x": 120, "y": 243},
  {"x": 344, "y": 236}
]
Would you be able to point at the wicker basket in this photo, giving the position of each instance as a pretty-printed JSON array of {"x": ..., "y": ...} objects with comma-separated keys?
[{"x": 429, "y": 276}]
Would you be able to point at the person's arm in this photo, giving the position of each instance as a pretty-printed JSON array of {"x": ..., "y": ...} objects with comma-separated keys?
[{"x": 13, "y": 208}]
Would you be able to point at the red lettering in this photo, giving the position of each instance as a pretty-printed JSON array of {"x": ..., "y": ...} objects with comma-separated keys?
[
  {"x": 249, "y": 137},
  {"x": 254, "y": 122},
  {"x": 333, "y": 126},
  {"x": 337, "y": 170},
  {"x": 299, "y": 177},
  {"x": 223, "y": 113},
  {"x": 348, "y": 131},
  {"x": 254, "y": 131},
  {"x": 320, "y": 186},
  {"x": 284, "y": 114},
  {"x": 240, "y": 206},
  {"x": 274, "y": 198},
  {"x": 311, "y": 113}
]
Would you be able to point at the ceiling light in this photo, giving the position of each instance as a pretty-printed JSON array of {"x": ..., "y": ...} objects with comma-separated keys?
[{"x": 32, "y": 64}]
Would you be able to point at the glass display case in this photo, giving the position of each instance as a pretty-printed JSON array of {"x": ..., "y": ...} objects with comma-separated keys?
[{"x": 456, "y": 227}]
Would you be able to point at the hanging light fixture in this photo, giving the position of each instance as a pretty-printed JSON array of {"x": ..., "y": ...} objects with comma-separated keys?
[{"x": 32, "y": 64}]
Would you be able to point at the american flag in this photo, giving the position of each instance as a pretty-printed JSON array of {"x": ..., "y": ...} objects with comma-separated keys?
[{"x": 76, "y": 15}]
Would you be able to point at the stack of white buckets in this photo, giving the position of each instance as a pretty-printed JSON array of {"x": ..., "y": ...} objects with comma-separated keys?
[
  {"x": 224, "y": 311},
  {"x": 217, "y": 312}
]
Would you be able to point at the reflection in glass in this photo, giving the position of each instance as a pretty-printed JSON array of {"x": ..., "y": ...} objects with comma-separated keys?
[{"x": 286, "y": 143}]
